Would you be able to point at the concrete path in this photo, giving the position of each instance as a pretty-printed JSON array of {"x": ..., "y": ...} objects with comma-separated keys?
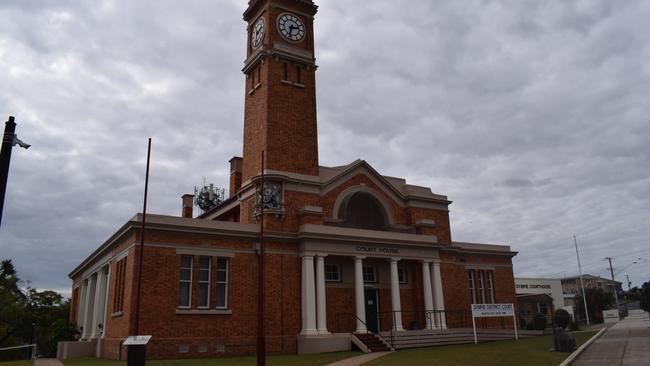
[
  {"x": 358, "y": 360},
  {"x": 627, "y": 343},
  {"x": 48, "y": 362}
]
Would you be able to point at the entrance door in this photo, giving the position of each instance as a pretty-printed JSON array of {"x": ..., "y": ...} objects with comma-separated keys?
[{"x": 372, "y": 310}]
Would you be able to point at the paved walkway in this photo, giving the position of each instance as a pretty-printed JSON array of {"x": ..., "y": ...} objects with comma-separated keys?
[
  {"x": 358, "y": 360},
  {"x": 627, "y": 343},
  {"x": 48, "y": 362}
]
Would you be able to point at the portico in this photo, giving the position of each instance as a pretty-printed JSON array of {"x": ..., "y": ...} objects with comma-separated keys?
[
  {"x": 393, "y": 286},
  {"x": 91, "y": 311}
]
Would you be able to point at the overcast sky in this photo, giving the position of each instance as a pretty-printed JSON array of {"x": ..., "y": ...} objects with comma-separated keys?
[{"x": 532, "y": 116}]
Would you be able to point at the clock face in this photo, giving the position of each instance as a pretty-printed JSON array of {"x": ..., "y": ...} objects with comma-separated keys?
[
  {"x": 258, "y": 33},
  {"x": 291, "y": 27}
]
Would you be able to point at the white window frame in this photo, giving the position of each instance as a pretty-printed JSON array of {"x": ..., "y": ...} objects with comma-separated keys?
[
  {"x": 191, "y": 268},
  {"x": 225, "y": 283},
  {"x": 472, "y": 285},
  {"x": 374, "y": 274},
  {"x": 207, "y": 306},
  {"x": 405, "y": 275},
  {"x": 481, "y": 286},
  {"x": 490, "y": 288},
  {"x": 338, "y": 273}
]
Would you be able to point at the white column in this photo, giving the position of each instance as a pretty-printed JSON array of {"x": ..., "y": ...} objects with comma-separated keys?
[
  {"x": 97, "y": 302},
  {"x": 428, "y": 296},
  {"x": 321, "y": 302},
  {"x": 100, "y": 302},
  {"x": 108, "y": 280},
  {"x": 359, "y": 295},
  {"x": 439, "y": 297},
  {"x": 395, "y": 296},
  {"x": 81, "y": 311},
  {"x": 90, "y": 302},
  {"x": 308, "y": 296}
]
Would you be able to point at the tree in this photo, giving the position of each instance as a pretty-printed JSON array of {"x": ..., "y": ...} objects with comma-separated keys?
[
  {"x": 28, "y": 315},
  {"x": 597, "y": 301},
  {"x": 644, "y": 296}
]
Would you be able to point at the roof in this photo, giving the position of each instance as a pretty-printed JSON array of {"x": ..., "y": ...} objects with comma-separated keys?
[
  {"x": 331, "y": 177},
  {"x": 592, "y": 277}
]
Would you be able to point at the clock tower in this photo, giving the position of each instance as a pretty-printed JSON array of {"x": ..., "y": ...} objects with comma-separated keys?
[{"x": 280, "y": 99}]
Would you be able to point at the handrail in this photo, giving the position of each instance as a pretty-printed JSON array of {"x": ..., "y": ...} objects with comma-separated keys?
[
  {"x": 338, "y": 321},
  {"x": 33, "y": 347}
]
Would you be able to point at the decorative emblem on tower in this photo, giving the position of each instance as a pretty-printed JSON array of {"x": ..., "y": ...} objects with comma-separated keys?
[{"x": 270, "y": 198}]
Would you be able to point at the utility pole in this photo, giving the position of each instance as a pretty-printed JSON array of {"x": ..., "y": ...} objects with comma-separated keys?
[
  {"x": 582, "y": 284},
  {"x": 611, "y": 271},
  {"x": 9, "y": 140},
  {"x": 629, "y": 283}
]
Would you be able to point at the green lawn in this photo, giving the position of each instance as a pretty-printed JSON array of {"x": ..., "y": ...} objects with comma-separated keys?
[
  {"x": 285, "y": 360},
  {"x": 525, "y": 352},
  {"x": 15, "y": 363}
]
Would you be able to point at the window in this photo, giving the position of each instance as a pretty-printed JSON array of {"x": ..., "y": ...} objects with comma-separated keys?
[
  {"x": 332, "y": 273},
  {"x": 285, "y": 71},
  {"x": 185, "y": 289},
  {"x": 481, "y": 287},
  {"x": 472, "y": 288},
  {"x": 298, "y": 75},
  {"x": 120, "y": 272},
  {"x": 402, "y": 275},
  {"x": 369, "y": 274},
  {"x": 543, "y": 308},
  {"x": 362, "y": 210},
  {"x": 490, "y": 287},
  {"x": 222, "y": 283},
  {"x": 204, "y": 282}
]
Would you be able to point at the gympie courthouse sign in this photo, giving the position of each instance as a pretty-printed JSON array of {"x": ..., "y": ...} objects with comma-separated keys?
[{"x": 493, "y": 311}]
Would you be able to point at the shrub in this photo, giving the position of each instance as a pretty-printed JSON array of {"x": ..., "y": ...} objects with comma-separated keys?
[
  {"x": 539, "y": 321},
  {"x": 562, "y": 318}
]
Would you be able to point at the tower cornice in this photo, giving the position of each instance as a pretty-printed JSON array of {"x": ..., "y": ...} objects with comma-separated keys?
[{"x": 253, "y": 5}]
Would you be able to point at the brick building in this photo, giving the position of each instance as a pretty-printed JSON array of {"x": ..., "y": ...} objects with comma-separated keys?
[{"x": 347, "y": 249}]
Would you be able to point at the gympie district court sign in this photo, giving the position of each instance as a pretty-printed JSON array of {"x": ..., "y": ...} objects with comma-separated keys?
[{"x": 493, "y": 311}]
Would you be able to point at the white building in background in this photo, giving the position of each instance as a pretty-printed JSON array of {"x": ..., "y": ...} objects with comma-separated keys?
[{"x": 538, "y": 286}]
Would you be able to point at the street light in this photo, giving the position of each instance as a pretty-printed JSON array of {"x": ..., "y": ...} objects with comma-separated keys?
[
  {"x": 624, "y": 268},
  {"x": 9, "y": 140},
  {"x": 641, "y": 259}
]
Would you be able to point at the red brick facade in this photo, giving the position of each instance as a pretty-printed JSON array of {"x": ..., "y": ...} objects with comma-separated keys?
[{"x": 280, "y": 119}]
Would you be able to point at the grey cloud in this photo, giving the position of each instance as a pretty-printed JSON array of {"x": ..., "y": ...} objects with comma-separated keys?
[{"x": 531, "y": 116}]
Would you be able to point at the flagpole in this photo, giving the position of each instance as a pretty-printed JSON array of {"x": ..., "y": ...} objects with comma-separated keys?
[
  {"x": 144, "y": 216},
  {"x": 261, "y": 336},
  {"x": 582, "y": 284}
]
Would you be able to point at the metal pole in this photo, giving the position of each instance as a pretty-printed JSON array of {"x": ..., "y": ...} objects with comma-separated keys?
[
  {"x": 5, "y": 159},
  {"x": 144, "y": 216},
  {"x": 611, "y": 271},
  {"x": 261, "y": 339},
  {"x": 582, "y": 284},
  {"x": 474, "y": 326}
]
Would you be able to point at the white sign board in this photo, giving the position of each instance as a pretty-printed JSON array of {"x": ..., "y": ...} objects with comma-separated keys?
[
  {"x": 492, "y": 310},
  {"x": 610, "y": 316},
  {"x": 137, "y": 340}
]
